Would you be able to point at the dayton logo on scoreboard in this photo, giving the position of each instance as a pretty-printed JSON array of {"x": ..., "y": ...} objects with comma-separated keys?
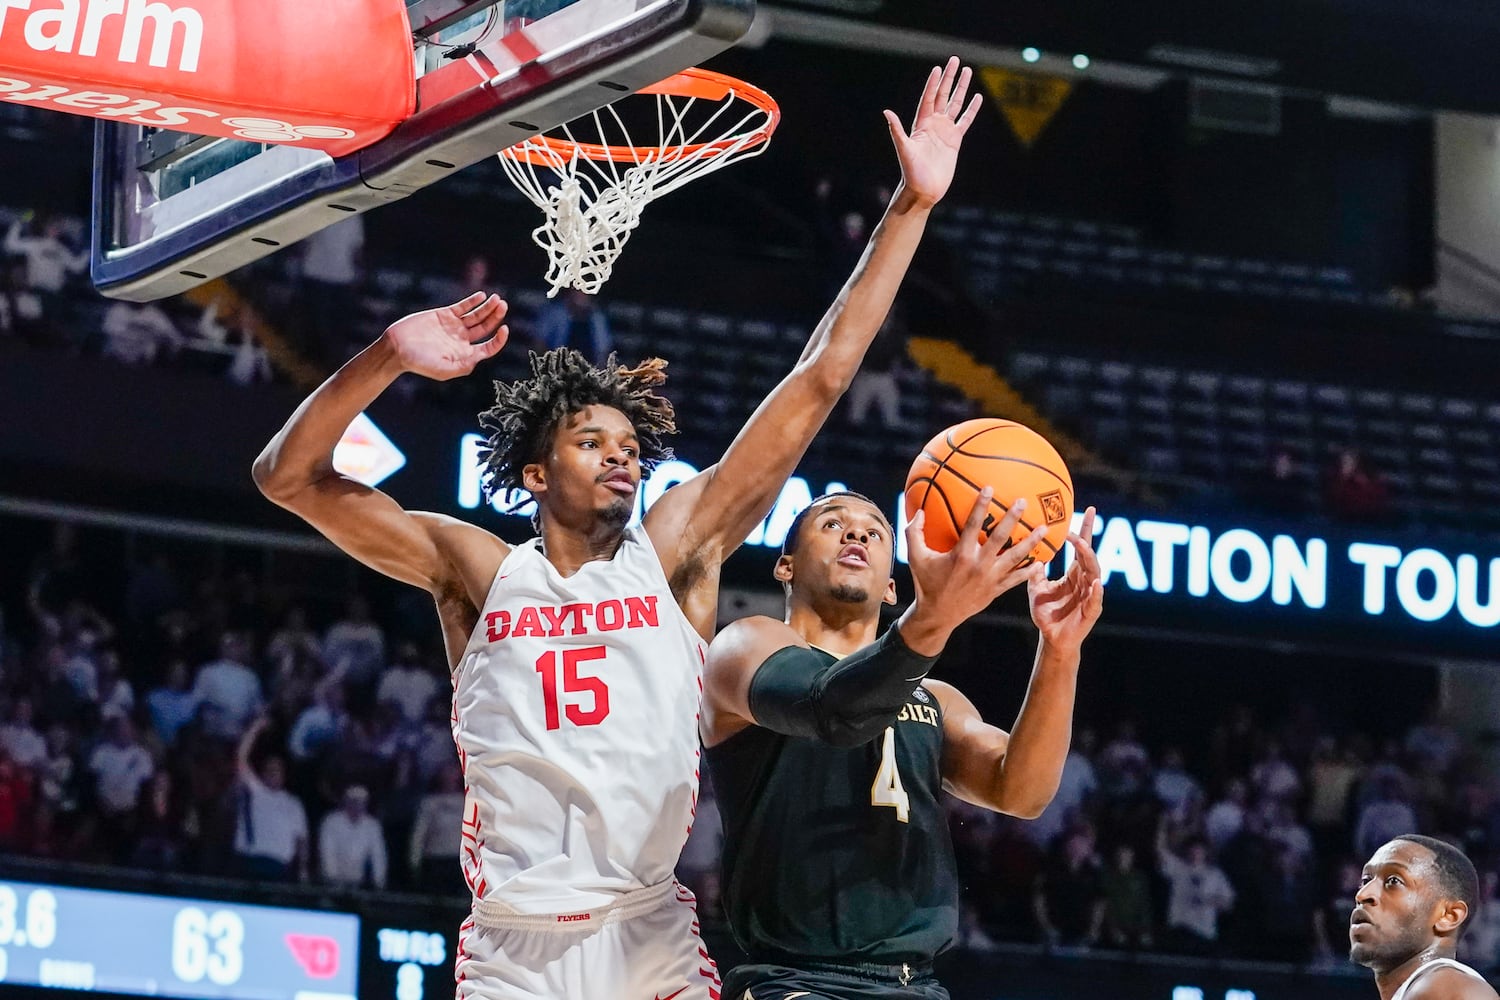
[{"x": 318, "y": 955}]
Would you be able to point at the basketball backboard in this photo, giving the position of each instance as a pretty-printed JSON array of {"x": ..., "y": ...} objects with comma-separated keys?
[{"x": 172, "y": 210}]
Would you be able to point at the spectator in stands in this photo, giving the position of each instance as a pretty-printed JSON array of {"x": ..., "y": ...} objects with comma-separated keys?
[
  {"x": 1173, "y": 785},
  {"x": 433, "y": 741},
  {"x": 476, "y": 273},
  {"x": 57, "y": 579},
  {"x": 1226, "y": 817},
  {"x": 19, "y": 737},
  {"x": 60, "y": 775},
  {"x": 575, "y": 319},
  {"x": 320, "y": 722},
  {"x": 161, "y": 826},
  {"x": 698, "y": 867},
  {"x": 1432, "y": 745},
  {"x": 354, "y": 646},
  {"x": 173, "y": 704},
  {"x": 227, "y": 691},
  {"x": 120, "y": 766},
  {"x": 1075, "y": 788},
  {"x": 1273, "y": 776},
  {"x": 841, "y": 237},
  {"x": 875, "y": 384},
  {"x": 49, "y": 259},
  {"x": 408, "y": 684},
  {"x": 116, "y": 695},
  {"x": 1286, "y": 933},
  {"x": 332, "y": 269},
  {"x": 1354, "y": 492},
  {"x": 224, "y": 332},
  {"x": 10, "y": 319},
  {"x": 294, "y": 637},
  {"x": 81, "y": 666},
  {"x": 1387, "y": 812},
  {"x": 1127, "y": 902},
  {"x": 1124, "y": 764},
  {"x": 351, "y": 845},
  {"x": 434, "y": 834},
  {"x": 16, "y": 796},
  {"x": 1198, "y": 894},
  {"x": 1480, "y": 945},
  {"x": 270, "y": 833},
  {"x": 1330, "y": 781},
  {"x": 1290, "y": 836},
  {"x": 1069, "y": 895},
  {"x": 24, "y": 306},
  {"x": 135, "y": 333}
]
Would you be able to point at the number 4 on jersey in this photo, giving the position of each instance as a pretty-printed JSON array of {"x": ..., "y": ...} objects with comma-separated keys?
[{"x": 887, "y": 790}]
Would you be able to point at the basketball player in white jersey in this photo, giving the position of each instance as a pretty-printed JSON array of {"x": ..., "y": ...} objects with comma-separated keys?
[
  {"x": 1414, "y": 900},
  {"x": 576, "y": 656}
]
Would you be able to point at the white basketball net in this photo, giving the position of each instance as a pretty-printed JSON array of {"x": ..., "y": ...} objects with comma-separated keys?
[{"x": 590, "y": 207}]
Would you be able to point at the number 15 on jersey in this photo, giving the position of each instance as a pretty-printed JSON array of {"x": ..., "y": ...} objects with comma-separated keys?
[{"x": 592, "y": 688}]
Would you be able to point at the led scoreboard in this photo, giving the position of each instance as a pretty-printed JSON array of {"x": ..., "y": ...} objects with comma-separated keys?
[{"x": 132, "y": 943}]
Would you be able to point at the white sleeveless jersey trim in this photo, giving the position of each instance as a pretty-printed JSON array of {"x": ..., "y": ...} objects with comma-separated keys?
[
  {"x": 575, "y": 709},
  {"x": 1436, "y": 963}
]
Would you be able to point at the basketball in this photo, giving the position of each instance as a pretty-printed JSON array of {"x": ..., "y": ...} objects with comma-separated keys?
[{"x": 1014, "y": 460}]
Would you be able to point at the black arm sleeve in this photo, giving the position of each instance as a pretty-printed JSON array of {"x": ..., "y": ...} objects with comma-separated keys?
[{"x": 847, "y": 702}]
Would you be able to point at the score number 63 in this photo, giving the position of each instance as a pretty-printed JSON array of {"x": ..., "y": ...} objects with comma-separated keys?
[{"x": 208, "y": 944}]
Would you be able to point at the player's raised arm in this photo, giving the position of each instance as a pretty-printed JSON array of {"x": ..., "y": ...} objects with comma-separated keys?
[
  {"x": 711, "y": 516},
  {"x": 1018, "y": 772},
  {"x": 296, "y": 469}
]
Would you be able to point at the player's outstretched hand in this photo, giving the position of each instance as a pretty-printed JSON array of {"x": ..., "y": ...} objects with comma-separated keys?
[
  {"x": 1065, "y": 610},
  {"x": 447, "y": 342},
  {"x": 930, "y": 152},
  {"x": 955, "y": 585}
]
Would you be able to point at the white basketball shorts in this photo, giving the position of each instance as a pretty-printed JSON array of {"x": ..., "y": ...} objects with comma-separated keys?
[{"x": 646, "y": 947}]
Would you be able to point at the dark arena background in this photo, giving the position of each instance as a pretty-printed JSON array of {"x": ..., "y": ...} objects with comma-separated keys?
[{"x": 1241, "y": 266}]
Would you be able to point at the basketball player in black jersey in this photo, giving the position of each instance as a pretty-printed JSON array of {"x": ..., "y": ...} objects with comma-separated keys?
[{"x": 829, "y": 748}]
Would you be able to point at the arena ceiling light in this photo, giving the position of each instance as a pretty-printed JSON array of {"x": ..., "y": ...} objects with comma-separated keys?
[{"x": 1214, "y": 61}]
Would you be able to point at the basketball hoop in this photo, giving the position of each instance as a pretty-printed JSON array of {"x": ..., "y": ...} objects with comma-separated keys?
[{"x": 593, "y": 199}]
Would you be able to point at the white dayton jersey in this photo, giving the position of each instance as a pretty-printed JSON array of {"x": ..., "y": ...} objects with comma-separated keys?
[
  {"x": 1436, "y": 963},
  {"x": 575, "y": 712}
]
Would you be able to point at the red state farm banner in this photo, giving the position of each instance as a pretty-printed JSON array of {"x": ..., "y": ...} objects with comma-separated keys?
[{"x": 334, "y": 75}]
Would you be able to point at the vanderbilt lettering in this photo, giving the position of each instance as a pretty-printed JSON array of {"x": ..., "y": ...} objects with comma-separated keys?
[
  {"x": 544, "y": 621},
  {"x": 912, "y": 712}
]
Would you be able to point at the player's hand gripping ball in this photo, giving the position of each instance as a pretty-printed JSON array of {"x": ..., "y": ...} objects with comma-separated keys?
[{"x": 1015, "y": 461}]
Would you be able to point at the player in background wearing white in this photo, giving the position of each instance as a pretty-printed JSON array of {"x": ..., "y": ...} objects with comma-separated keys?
[
  {"x": 1415, "y": 898},
  {"x": 577, "y": 656}
]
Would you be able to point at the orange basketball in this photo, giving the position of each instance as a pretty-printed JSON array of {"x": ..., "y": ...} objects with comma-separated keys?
[{"x": 1014, "y": 460}]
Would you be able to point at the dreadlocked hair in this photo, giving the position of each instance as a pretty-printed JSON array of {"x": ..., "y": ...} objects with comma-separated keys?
[{"x": 528, "y": 411}]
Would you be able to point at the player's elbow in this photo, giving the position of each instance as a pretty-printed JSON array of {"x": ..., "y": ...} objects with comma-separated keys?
[
  {"x": 272, "y": 480},
  {"x": 1023, "y": 803},
  {"x": 828, "y": 375},
  {"x": 1028, "y": 810},
  {"x": 846, "y": 731}
]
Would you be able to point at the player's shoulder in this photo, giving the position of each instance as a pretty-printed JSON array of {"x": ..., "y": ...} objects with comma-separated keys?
[
  {"x": 753, "y": 627},
  {"x": 473, "y": 554},
  {"x": 748, "y": 641},
  {"x": 1449, "y": 983},
  {"x": 461, "y": 539},
  {"x": 949, "y": 698}
]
